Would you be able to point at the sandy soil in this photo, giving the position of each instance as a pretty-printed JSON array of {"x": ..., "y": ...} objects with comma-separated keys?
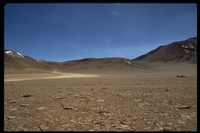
[
  {"x": 53, "y": 75},
  {"x": 140, "y": 102}
]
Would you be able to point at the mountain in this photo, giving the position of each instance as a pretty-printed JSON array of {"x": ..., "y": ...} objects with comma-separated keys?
[
  {"x": 182, "y": 51},
  {"x": 174, "y": 52},
  {"x": 102, "y": 65},
  {"x": 16, "y": 61}
]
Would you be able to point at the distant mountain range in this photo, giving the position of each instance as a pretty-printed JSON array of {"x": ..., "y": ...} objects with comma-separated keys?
[{"x": 182, "y": 51}]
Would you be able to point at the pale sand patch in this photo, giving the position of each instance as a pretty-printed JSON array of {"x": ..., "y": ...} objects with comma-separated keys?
[{"x": 55, "y": 75}]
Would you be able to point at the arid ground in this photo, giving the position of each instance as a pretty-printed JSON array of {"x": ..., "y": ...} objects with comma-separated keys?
[{"x": 115, "y": 101}]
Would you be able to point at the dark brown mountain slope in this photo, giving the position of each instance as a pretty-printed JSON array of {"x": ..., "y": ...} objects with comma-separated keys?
[
  {"x": 15, "y": 61},
  {"x": 177, "y": 52},
  {"x": 183, "y": 51},
  {"x": 102, "y": 64}
]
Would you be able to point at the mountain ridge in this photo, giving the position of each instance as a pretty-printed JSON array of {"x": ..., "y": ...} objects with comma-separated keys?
[
  {"x": 181, "y": 51},
  {"x": 174, "y": 51}
]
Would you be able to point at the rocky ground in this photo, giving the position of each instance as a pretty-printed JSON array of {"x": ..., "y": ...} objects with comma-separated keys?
[{"x": 106, "y": 103}]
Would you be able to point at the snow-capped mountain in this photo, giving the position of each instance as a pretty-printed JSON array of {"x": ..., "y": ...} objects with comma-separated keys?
[
  {"x": 182, "y": 51},
  {"x": 13, "y": 60},
  {"x": 177, "y": 51},
  {"x": 13, "y": 54}
]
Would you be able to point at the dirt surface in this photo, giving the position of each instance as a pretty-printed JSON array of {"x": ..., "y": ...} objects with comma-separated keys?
[
  {"x": 54, "y": 75},
  {"x": 115, "y": 102}
]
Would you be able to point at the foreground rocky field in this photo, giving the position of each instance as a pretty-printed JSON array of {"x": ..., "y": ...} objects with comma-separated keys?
[{"x": 105, "y": 103}]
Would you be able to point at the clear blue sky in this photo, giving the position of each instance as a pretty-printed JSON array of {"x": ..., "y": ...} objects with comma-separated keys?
[{"x": 67, "y": 31}]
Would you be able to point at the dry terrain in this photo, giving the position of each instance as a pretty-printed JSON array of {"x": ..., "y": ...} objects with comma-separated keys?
[
  {"x": 156, "y": 91},
  {"x": 154, "y": 100}
]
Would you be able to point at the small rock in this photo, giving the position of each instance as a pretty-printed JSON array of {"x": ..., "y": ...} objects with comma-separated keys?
[
  {"x": 125, "y": 127},
  {"x": 104, "y": 88},
  {"x": 179, "y": 75},
  {"x": 100, "y": 100},
  {"x": 184, "y": 107},
  {"x": 69, "y": 108},
  {"x": 40, "y": 108},
  {"x": 73, "y": 121},
  {"x": 12, "y": 101},
  {"x": 43, "y": 127},
  {"x": 58, "y": 98},
  {"x": 94, "y": 108},
  {"x": 24, "y": 105},
  {"x": 122, "y": 122},
  {"x": 11, "y": 117},
  {"x": 27, "y": 95},
  {"x": 24, "y": 129},
  {"x": 102, "y": 112},
  {"x": 138, "y": 100},
  {"x": 185, "y": 116},
  {"x": 13, "y": 109}
]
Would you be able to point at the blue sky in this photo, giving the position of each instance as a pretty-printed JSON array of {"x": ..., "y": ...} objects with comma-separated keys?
[{"x": 68, "y": 31}]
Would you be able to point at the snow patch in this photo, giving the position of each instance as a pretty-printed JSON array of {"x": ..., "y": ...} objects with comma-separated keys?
[
  {"x": 189, "y": 45},
  {"x": 14, "y": 54},
  {"x": 20, "y": 55},
  {"x": 127, "y": 61},
  {"x": 9, "y": 52},
  {"x": 187, "y": 51}
]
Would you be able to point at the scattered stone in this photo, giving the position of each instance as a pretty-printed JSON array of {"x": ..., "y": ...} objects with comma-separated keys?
[
  {"x": 56, "y": 98},
  {"x": 40, "y": 108},
  {"x": 43, "y": 127},
  {"x": 180, "y": 76},
  {"x": 73, "y": 121},
  {"x": 186, "y": 116},
  {"x": 11, "y": 117},
  {"x": 69, "y": 107},
  {"x": 100, "y": 100},
  {"x": 138, "y": 100},
  {"x": 122, "y": 122},
  {"x": 12, "y": 101},
  {"x": 147, "y": 128},
  {"x": 176, "y": 106},
  {"x": 184, "y": 107},
  {"x": 24, "y": 105},
  {"x": 77, "y": 96},
  {"x": 24, "y": 129},
  {"x": 165, "y": 101},
  {"x": 20, "y": 128},
  {"x": 125, "y": 127},
  {"x": 102, "y": 112},
  {"x": 13, "y": 109},
  {"x": 27, "y": 95},
  {"x": 94, "y": 108}
]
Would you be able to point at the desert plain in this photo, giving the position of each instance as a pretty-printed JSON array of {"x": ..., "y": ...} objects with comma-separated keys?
[{"x": 114, "y": 100}]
